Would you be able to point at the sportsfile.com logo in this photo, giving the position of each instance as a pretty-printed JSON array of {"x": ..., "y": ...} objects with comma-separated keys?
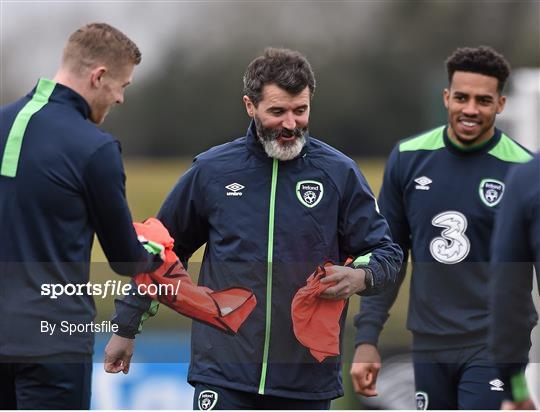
[
  {"x": 109, "y": 288},
  {"x": 234, "y": 189}
]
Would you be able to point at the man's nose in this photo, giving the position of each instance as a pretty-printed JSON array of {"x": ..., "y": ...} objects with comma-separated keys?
[
  {"x": 470, "y": 109},
  {"x": 289, "y": 122}
]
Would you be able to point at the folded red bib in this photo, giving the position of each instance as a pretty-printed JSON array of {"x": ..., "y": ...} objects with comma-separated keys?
[
  {"x": 225, "y": 309},
  {"x": 316, "y": 320}
]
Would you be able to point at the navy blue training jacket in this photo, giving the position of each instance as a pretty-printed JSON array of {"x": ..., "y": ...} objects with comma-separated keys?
[
  {"x": 515, "y": 251},
  {"x": 267, "y": 225},
  {"x": 65, "y": 184},
  {"x": 440, "y": 202}
]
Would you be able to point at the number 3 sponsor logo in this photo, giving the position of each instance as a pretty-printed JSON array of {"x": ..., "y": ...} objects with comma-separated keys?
[{"x": 453, "y": 245}]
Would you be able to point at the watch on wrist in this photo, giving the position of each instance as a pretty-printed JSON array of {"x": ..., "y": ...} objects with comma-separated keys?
[{"x": 368, "y": 280}]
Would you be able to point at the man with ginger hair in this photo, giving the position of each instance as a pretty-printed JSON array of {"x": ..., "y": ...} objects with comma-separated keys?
[{"x": 61, "y": 182}]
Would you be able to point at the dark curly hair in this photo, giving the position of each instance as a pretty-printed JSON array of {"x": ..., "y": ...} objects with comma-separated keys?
[
  {"x": 482, "y": 60},
  {"x": 285, "y": 68}
]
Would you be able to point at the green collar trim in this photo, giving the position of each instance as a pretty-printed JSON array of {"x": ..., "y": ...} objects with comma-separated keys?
[
  {"x": 470, "y": 148},
  {"x": 509, "y": 151},
  {"x": 432, "y": 140}
]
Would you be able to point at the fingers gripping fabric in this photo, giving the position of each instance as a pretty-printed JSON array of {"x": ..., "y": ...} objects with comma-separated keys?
[
  {"x": 316, "y": 320},
  {"x": 226, "y": 309}
]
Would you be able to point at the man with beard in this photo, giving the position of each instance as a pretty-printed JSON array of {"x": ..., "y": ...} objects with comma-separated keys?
[
  {"x": 270, "y": 206},
  {"x": 440, "y": 195}
]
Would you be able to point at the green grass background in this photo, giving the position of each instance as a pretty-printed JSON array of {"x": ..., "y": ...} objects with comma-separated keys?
[{"x": 149, "y": 182}]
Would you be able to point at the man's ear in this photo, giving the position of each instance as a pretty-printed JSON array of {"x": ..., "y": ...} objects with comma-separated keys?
[
  {"x": 96, "y": 76},
  {"x": 501, "y": 102},
  {"x": 446, "y": 97},
  {"x": 250, "y": 107}
]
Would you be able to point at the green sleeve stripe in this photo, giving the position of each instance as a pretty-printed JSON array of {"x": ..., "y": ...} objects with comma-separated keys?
[
  {"x": 509, "y": 151},
  {"x": 153, "y": 247},
  {"x": 14, "y": 141},
  {"x": 431, "y": 140},
  {"x": 362, "y": 260},
  {"x": 152, "y": 310},
  {"x": 520, "y": 391}
]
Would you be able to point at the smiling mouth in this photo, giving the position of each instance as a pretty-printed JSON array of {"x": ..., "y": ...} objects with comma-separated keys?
[{"x": 468, "y": 124}]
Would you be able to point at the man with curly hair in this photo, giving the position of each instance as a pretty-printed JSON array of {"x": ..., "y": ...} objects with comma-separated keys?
[{"x": 440, "y": 195}]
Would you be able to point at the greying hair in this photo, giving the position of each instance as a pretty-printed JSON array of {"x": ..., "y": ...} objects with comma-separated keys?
[{"x": 285, "y": 68}]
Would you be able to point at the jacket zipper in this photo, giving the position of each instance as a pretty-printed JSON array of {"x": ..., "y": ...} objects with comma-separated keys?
[{"x": 270, "y": 254}]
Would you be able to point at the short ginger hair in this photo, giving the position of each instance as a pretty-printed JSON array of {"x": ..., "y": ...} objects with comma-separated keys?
[{"x": 99, "y": 44}]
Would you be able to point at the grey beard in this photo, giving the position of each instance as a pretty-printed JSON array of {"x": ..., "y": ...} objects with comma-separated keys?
[{"x": 281, "y": 151}]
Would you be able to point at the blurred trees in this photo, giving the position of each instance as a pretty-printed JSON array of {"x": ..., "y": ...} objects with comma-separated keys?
[{"x": 379, "y": 66}]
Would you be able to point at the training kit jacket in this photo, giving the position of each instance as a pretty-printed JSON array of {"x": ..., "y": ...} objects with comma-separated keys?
[
  {"x": 61, "y": 181},
  {"x": 516, "y": 250},
  {"x": 440, "y": 202},
  {"x": 267, "y": 224}
]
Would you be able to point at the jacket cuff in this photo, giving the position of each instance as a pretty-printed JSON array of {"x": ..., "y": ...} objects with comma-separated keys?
[
  {"x": 124, "y": 330},
  {"x": 125, "y": 333},
  {"x": 378, "y": 282},
  {"x": 372, "y": 269},
  {"x": 367, "y": 333}
]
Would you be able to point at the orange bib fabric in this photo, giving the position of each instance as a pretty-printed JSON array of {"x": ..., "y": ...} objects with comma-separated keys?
[
  {"x": 316, "y": 320},
  {"x": 226, "y": 309}
]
